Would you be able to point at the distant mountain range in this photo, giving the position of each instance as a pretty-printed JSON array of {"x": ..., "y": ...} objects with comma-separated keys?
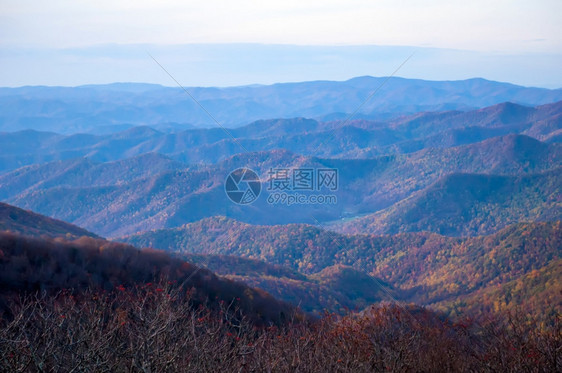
[
  {"x": 354, "y": 139},
  {"x": 114, "y": 107},
  {"x": 458, "y": 173}
]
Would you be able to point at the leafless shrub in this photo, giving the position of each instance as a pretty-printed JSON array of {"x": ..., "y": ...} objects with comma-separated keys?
[{"x": 157, "y": 328}]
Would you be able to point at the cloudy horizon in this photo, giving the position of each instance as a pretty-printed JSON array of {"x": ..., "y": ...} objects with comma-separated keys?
[{"x": 220, "y": 43}]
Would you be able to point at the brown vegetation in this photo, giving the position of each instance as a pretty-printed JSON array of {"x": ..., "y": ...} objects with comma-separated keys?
[
  {"x": 30, "y": 265},
  {"x": 156, "y": 328}
]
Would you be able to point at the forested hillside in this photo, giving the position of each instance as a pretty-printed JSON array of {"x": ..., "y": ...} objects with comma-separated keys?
[{"x": 425, "y": 268}]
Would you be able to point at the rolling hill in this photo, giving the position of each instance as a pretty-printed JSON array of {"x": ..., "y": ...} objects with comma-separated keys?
[
  {"x": 100, "y": 298},
  {"x": 83, "y": 172},
  {"x": 536, "y": 290},
  {"x": 133, "y": 195},
  {"x": 318, "y": 269},
  {"x": 39, "y": 253},
  {"x": 424, "y": 268},
  {"x": 350, "y": 139},
  {"x": 328, "y": 291},
  {"x": 469, "y": 205},
  {"x": 337, "y": 289}
]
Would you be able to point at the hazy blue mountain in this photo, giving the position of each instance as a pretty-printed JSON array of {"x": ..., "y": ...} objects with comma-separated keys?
[
  {"x": 85, "y": 108},
  {"x": 353, "y": 139},
  {"x": 143, "y": 178},
  {"x": 83, "y": 172}
]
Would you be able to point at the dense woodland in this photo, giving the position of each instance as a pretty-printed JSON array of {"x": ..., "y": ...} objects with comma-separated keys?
[
  {"x": 48, "y": 266},
  {"x": 423, "y": 268}
]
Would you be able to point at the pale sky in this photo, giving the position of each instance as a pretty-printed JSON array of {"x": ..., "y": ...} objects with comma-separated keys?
[{"x": 522, "y": 28}]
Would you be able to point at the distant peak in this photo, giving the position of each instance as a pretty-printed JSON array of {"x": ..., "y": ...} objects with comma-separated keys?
[{"x": 139, "y": 131}]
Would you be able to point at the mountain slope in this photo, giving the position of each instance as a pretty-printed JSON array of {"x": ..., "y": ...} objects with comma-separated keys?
[
  {"x": 539, "y": 289},
  {"x": 336, "y": 289},
  {"x": 83, "y": 172},
  {"x": 311, "y": 293},
  {"x": 29, "y": 264},
  {"x": 28, "y": 223},
  {"x": 470, "y": 204},
  {"x": 425, "y": 268}
]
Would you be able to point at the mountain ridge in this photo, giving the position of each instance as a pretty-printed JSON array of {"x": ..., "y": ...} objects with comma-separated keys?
[
  {"x": 469, "y": 204},
  {"x": 138, "y": 203},
  {"x": 70, "y": 109},
  {"x": 335, "y": 139},
  {"x": 16, "y": 220}
]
